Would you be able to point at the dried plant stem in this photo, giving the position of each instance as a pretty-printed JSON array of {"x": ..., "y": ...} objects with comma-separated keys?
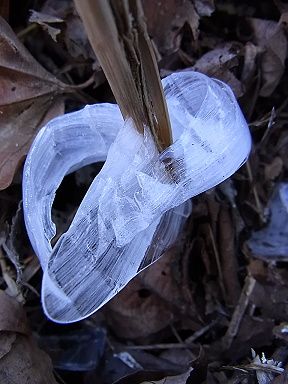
[
  {"x": 118, "y": 35},
  {"x": 239, "y": 312}
]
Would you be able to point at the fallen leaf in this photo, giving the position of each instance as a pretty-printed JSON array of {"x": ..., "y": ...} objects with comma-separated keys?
[
  {"x": 274, "y": 169},
  {"x": 26, "y": 363},
  {"x": 219, "y": 62},
  {"x": 270, "y": 36},
  {"x": 29, "y": 97},
  {"x": 137, "y": 312},
  {"x": 165, "y": 20},
  {"x": 136, "y": 366},
  {"x": 74, "y": 35},
  {"x": 12, "y": 316},
  {"x": 44, "y": 21},
  {"x": 251, "y": 52},
  {"x": 150, "y": 301},
  {"x": 21, "y": 361},
  {"x": 179, "y": 379}
]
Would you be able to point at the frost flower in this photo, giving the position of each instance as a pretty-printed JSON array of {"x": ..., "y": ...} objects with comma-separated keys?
[{"x": 137, "y": 204}]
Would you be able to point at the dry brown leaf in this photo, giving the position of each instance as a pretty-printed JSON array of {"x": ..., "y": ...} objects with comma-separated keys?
[
  {"x": 166, "y": 18},
  {"x": 270, "y": 36},
  {"x": 150, "y": 301},
  {"x": 29, "y": 96},
  {"x": 74, "y": 35},
  {"x": 164, "y": 278},
  {"x": 12, "y": 316},
  {"x": 26, "y": 363},
  {"x": 21, "y": 361},
  {"x": 45, "y": 22},
  {"x": 274, "y": 169},
  {"x": 251, "y": 52},
  {"x": 218, "y": 62},
  {"x": 179, "y": 379},
  {"x": 137, "y": 312}
]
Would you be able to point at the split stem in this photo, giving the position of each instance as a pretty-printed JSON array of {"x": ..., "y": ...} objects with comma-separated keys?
[{"x": 119, "y": 38}]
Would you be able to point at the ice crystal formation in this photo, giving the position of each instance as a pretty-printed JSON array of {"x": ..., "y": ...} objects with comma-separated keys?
[{"x": 137, "y": 204}]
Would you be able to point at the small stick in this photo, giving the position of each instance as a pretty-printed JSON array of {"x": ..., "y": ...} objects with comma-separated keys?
[
  {"x": 255, "y": 193},
  {"x": 118, "y": 35},
  {"x": 239, "y": 312}
]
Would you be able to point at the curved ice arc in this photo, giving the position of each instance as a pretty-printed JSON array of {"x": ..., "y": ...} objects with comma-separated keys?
[
  {"x": 65, "y": 144},
  {"x": 120, "y": 215}
]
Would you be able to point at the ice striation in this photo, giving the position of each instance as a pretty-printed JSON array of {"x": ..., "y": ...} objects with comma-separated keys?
[{"x": 138, "y": 203}]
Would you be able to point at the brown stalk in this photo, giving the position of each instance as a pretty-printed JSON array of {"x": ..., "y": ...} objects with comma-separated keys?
[{"x": 118, "y": 35}]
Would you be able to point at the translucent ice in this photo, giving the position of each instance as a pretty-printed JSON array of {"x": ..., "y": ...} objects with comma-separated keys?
[{"x": 137, "y": 204}]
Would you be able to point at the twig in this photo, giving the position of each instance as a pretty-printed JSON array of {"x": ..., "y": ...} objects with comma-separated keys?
[
  {"x": 239, "y": 312},
  {"x": 255, "y": 193},
  {"x": 218, "y": 263},
  {"x": 118, "y": 35},
  {"x": 200, "y": 332},
  {"x": 152, "y": 347}
]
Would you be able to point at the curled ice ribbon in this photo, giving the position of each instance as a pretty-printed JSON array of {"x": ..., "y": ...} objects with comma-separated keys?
[{"x": 137, "y": 204}]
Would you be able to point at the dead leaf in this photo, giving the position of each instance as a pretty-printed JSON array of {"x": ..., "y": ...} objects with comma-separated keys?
[
  {"x": 29, "y": 96},
  {"x": 76, "y": 39},
  {"x": 26, "y": 363},
  {"x": 12, "y": 316},
  {"x": 164, "y": 278},
  {"x": 21, "y": 361},
  {"x": 270, "y": 36},
  {"x": 137, "y": 312},
  {"x": 165, "y": 20},
  {"x": 179, "y": 379},
  {"x": 136, "y": 366},
  {"x": 281, "y": 379},
  {"x": 74, "y": 35},
  {"x": 219, "y": 62},
  {"x": 44, "y": 21},
  {"x": 273, "y": 170},
  {"x": 251, "y": 52},
  {"x": 151, "y": 301}
]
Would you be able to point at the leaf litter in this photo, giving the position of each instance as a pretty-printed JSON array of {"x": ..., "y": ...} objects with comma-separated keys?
[{"x": 221, "y": 291}]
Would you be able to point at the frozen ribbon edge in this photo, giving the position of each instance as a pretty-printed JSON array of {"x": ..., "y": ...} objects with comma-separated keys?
[{"x": 144, "y": 188}]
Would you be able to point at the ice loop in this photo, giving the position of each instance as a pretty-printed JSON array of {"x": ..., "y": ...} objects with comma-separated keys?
[{"x": 137, "y": 204}]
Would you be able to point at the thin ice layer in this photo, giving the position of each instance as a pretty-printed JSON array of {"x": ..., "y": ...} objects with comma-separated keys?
[{"x": 104, "y": 247}]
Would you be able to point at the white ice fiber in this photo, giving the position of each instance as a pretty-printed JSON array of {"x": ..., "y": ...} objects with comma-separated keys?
[{"x": 138, "y": 203}]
